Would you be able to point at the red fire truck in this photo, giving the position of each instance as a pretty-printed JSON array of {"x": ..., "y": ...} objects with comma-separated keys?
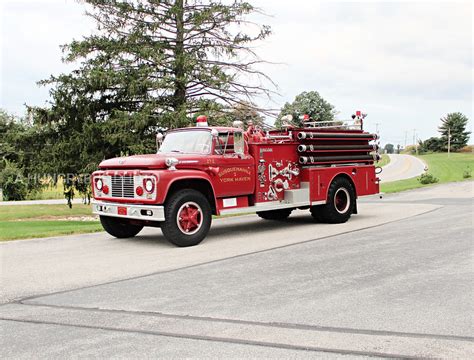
[{"x": 203, "y": 171}]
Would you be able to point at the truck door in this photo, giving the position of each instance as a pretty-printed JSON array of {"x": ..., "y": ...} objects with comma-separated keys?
[{"x": 235, "y": 175}]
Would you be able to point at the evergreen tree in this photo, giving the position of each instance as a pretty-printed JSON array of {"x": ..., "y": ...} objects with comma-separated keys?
[
  {"x": 433, "y": 144},
  {"x": 150, "y": 64},
  {"x": 454, "y": 124}
]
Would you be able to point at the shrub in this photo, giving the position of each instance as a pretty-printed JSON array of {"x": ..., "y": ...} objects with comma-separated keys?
[
  {"x": 410, "y": 149},
  {"x": 467, "y": 173},
  {"x": 427, "y": 178},
  {"x": 433, "y": 144},
  {"x": 467, "y": 149},
  {"x": 12, "y": 183}
]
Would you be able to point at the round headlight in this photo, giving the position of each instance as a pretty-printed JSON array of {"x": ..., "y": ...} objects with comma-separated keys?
[
  {"x": 149, "y": 185},
  {"x": 99, "y": 184}
]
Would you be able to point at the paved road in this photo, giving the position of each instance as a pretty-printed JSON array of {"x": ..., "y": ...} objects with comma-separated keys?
[
  {"x": 402, "y": 167},
  {"x": 394, "y": 281}
]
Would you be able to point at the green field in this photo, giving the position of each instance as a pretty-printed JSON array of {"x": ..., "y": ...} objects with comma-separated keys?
[
  {"x": 15, "y": 212},
  {"x": 50, "y": 192},
  {"x": 383, "y": 161},
  {"x": 33, "y": 221},
  {"x": 11, "y": 230},
  {"x": 446, "y": 169}
]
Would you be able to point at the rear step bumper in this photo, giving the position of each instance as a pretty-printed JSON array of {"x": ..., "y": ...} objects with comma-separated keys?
[{"x": 128, "y": 211}]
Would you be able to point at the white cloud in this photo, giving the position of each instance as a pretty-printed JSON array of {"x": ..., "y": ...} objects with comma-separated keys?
[{"x": 405, "y": 63}]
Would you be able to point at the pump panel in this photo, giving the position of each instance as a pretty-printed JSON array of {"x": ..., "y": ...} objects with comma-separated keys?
[{"x": 276, "y": 169}]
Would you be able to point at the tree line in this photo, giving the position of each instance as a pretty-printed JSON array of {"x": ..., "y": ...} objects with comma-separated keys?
[
  {"x": 454, "y": 136},
  {"x": 149, "y": 65}
]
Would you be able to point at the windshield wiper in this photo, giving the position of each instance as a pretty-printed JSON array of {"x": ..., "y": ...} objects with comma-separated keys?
[{"x": 176, "y": 151}]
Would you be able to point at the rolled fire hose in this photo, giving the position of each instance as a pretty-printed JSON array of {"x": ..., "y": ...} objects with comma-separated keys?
[
  {"x": 346, "y": 136},
  {"x": 321, "y": 148},
  {"x": 309, "y": 160}
]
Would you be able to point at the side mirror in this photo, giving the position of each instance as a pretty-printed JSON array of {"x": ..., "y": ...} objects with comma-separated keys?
[
  {"x": 239, "y": 143},
  {"x": 159, "y": 140}
]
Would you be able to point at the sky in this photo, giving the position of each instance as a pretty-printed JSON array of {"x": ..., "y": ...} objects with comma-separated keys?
[{"x": 406, "y": 64}]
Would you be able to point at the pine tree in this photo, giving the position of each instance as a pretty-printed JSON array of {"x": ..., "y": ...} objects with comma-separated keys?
[
  {"x": 454, "y": 124},
  {"x": 162, "y": 60},
  {"x": 150, "y": 64}
]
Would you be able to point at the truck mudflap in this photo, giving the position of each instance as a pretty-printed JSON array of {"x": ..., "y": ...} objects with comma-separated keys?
[{"x": 129, "y": 211}]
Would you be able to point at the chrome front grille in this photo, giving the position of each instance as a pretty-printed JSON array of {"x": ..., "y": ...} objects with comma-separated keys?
[{"x": 123, "y": 186}]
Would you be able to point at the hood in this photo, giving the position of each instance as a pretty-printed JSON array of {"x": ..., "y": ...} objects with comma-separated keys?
[{"x": 152, "y": 161}]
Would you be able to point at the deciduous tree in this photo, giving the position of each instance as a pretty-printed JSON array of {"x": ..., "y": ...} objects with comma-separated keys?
[{"x": 310, "y": 103}]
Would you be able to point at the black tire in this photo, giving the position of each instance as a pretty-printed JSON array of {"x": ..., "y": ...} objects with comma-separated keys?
[
  {"x": 119, "y": 228},
  {"x": 193, "y": 205},
  {"x": 340, "y": 203},
  {"x": 281, "y": 214}
]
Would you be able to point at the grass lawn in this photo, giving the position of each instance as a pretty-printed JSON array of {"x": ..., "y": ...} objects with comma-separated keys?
[
  {"x": 383, "y": 161},
  {"x": 446, "y": 169},
  {"x": 32, "y": 221},
  {"x": 12, "y": 230},
  {"x": 15, "y": 212},
  {"x": 50, "y": 192}
]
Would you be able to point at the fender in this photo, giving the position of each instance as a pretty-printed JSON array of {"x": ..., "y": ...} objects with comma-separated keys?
[
  {"x": 348, "y": 176},
  {"x": 169, "y": 177}
]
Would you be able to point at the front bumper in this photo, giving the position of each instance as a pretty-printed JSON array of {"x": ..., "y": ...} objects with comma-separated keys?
[{"x": 129, "y": 211}]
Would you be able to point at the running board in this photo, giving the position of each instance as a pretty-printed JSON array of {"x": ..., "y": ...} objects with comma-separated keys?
[{"x": 268, "y": 206}]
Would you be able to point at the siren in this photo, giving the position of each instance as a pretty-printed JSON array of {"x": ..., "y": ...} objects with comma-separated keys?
[{"x": 201, "y": 120}]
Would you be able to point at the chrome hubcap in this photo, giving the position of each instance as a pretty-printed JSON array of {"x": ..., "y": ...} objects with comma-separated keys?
[
  {"x": 342, "y": 200},
  {"x": 189, "y": 218}
]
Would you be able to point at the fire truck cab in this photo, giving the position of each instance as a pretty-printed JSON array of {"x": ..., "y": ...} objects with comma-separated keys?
[{"x": 203, "y": 171}]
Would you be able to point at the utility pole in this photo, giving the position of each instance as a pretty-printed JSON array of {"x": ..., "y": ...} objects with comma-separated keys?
[
  {"x": 449, "y": 141},
  {"x": 377, "y": 127},
  {"x": 414, "y": 141},
  {"x": 406, "y": 138}
]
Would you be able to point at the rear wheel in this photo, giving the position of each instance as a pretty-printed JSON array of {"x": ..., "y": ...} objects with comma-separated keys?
[
  {"x": 119, "y": 228},
  {"x": 340, "y": 203},
  {"x": 188, "y": 217},
  {"x": 281, "y": 214}
]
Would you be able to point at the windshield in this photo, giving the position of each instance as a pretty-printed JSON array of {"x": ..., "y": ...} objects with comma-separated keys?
[{"x": 187, "y": 142}]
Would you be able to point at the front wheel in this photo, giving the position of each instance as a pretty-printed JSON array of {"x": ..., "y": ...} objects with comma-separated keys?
[
  {"x": 188, "y": 217},
  {"x": 340, "y": 203},
  {"x": 119, "y": 228}
]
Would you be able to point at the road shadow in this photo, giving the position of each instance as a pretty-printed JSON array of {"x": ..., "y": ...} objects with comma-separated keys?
[{"x": 247, "y": 226}]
